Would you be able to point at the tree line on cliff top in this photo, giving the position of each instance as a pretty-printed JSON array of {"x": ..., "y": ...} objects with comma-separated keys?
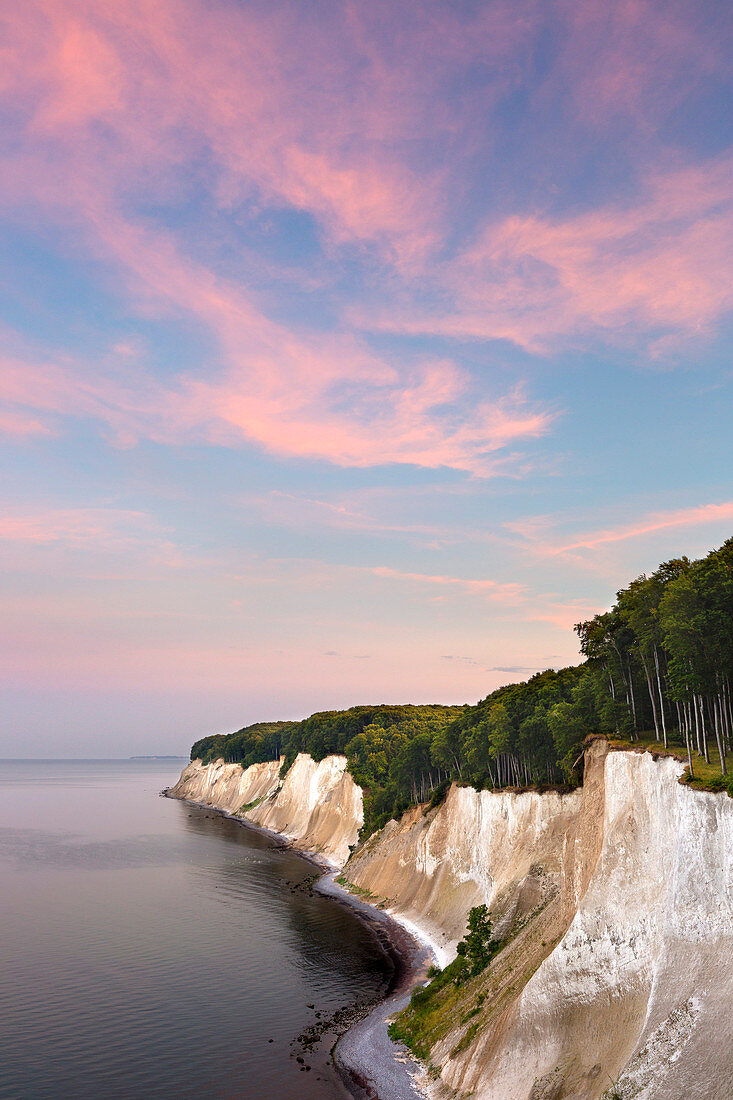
[{"x": 659, "y": 660}]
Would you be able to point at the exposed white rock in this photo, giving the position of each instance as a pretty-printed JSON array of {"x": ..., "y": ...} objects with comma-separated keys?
[
  {"x": 622, "y": 968},
  {"x": 651, "y": 934},
  {"x": 227, "y": 787},
  {"x": 478, "y": 847},
  {"x": 317, "y": 806}
]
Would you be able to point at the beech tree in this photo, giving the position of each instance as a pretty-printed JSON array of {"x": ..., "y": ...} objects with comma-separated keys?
[{"x": 661, "y": 658}]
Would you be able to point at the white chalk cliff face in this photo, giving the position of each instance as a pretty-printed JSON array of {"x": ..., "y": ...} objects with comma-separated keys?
[
  {"x": 502, "y": 849},
  {"x": 617, "y": 900},
  {"x": 640, "y": 986},
  {"x": 227, "y": 787},
  {"x": 317, "y": 806}
]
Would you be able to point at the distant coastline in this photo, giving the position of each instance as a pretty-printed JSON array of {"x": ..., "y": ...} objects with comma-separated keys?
[{"x": 174, "y": 756}]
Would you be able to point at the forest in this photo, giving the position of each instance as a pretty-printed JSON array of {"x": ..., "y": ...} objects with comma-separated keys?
[{"x": 657, "y": 670}]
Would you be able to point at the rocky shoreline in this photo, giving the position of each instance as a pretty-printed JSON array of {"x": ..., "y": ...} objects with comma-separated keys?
[{"x": 369, "y": 1063}]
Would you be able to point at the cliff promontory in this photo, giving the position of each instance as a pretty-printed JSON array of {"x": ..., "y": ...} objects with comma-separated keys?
[
  {"x": 318, "y": 807},
  {"x": 613, "y": 905}
]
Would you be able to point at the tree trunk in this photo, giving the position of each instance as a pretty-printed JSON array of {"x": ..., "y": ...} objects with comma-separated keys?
[
  {"x": 661, "y": 697},
  {"x": 651, "y": 694},
  {"x": 697, "y": 725},
  {"x": 633, "y": 698},
  {"x": 724, "y": 714},
  {"x": 703, "y": 730},
  {"x": 718, "y": 733},
  {"x": 728, "y": 711}
]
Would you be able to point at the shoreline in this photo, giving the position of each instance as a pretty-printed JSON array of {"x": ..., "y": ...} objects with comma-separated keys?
[{"x": 365, "y": 1058}]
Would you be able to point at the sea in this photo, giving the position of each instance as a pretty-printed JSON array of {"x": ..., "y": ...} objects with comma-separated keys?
[{"x": 150, "y": 948}]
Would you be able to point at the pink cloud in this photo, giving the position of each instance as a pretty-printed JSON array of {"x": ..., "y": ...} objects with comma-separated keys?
[
  {"x": 110, "y": 118},
  {"x": 302, "y": 512},
  {"x": 562, "y": 615},
  {"x": 125, "y": 74},
  {"x": 102, "y": 529},
  {"x": 18, "y": 424},
  {"x": 323, "y": 397},
  {"x": 330, "y": 130},
  {"x": 271, "y": 410},
  {"x": 635, "y": 60},
  {"x": 538, "y": 531},
  {"x": 656, "y": 521},
  {"x": 665, "y": 263},
  {"x": 352, "y": 129},
  {"x": 494, "y": 590}
]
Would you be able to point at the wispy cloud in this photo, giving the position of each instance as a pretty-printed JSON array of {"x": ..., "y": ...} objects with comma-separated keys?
[
  {"x": 309, "y": 232},
  {"x": 490, "y": 589},
  {"x": 421, "y": 421},
  {"x": 105, "y": 96},
  {"x": 655, "y": 521},
  {"x": 653, "y": 268},
  {"x": 516, "y": 668},
  {"x": 71, "y": 525},
  {"x": 107, "y": 117},
  {"x": 19, "y": 424},
  {"x": 323, "y": 397},
  {"x": 538, "y": 532},
  {"x": 93, "y": 531},
  {"x": 560, "y": 613}
]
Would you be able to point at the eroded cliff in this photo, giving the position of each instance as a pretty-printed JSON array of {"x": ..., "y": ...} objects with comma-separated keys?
[
  {"x": 502, "y": 849},
  {"x": 615, "y": 904},
  {"x": 619, "y": 981},
  {"x": 317, "y": 806},
  {"x": 227, "y": 787}
]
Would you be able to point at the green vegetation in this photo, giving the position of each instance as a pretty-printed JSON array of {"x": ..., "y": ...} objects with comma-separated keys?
[
  {"x": 519, "y": 736},
  {"x": 252, "y": 745},
  {"x": 479, "y": 947},
  {"x": 246, "y": 806},
  {"x": 659, "y": 660},
  {"x": 665, "y": 650},
  {"x": 358, "y": 891},
  {"x": 433, "y": 1006},
  {"x": 389, "y": 750}
]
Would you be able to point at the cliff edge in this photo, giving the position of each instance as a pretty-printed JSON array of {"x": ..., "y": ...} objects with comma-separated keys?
[
  {"x": 616, "y": 974},
  {"x": 317, "y": 806},
  {"x": 614, "y": 905}
]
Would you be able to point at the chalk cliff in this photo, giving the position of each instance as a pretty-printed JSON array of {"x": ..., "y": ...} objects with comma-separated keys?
[
  {"x": 317, "y": 806},
  {"x": 502, "y": 849},
  {"x": 616, "y": 902},
  {"x": 227, "y": 787},
  {"x": 639, "y": 988}
]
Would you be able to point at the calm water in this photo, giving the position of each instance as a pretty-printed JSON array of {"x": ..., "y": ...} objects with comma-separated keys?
[{"x": 152, "y": 949}]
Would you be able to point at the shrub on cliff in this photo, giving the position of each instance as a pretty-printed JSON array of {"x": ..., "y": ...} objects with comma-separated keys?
[{"x": 479, "y": 947}]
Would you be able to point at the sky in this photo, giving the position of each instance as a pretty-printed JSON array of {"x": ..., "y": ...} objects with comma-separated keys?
[{"x": 349, "y": 351}]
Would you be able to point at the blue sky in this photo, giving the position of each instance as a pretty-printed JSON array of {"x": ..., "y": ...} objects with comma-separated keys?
[{"x": 350, "y": 352}]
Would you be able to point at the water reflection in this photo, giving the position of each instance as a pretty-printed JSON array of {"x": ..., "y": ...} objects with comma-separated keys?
[{"x": 154, "y": 949}]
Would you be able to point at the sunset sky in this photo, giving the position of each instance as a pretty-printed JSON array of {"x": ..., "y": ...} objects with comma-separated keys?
[{"x": 351, "y": 351}]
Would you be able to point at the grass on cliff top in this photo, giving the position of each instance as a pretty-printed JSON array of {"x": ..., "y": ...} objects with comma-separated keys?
[{"x": 708, "y": 777}]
